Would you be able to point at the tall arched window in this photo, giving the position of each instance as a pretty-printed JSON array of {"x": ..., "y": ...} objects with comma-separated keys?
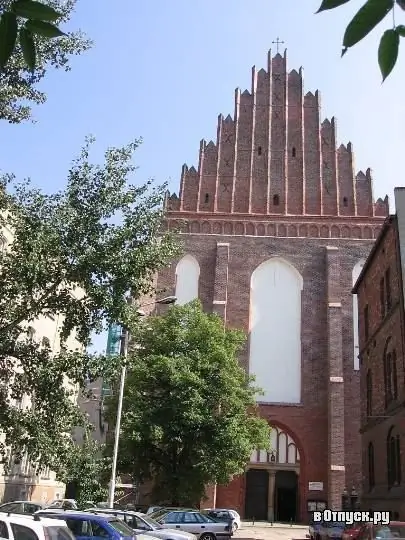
[
  {"x": 369, "y": 393},
  {"x": 355, "y": 275},
  {"x": 187, "y": 280},
  {"x": 275, "y": 330},
  {"x": 390, "y": 373},
  {"x": 371, "y": 471},
  {"x": 393, "y": 458}
]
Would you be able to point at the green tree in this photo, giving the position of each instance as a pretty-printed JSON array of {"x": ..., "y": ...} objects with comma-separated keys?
[
  {"x": 101, "y": 235},
  {"x": 86, "y": 472},
  {"x": 365, "y": 20},
  {"x": 189, "y": 414},
  {"x": 18, "y": 81}
]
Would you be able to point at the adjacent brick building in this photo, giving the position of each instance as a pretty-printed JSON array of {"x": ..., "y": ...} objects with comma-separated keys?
[
  {"x": 381, "y": 323},
  {"x": 276, "y": 225}
]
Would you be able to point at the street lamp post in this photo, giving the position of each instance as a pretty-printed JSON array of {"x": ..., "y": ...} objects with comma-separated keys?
[{"x": 124, "y": 352}]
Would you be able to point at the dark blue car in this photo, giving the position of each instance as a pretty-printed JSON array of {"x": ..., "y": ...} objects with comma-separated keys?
[{"x": 87, "y": 526}]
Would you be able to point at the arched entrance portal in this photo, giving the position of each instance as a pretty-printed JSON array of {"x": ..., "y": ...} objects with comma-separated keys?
[{"x": 272, "y": 480}]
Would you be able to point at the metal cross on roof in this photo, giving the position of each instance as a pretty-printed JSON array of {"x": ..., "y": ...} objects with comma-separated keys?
[{"x": 278, "y": 43}]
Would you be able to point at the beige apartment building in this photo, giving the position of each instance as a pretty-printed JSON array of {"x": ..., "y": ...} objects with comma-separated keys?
[{"x": 22, "y": 481}]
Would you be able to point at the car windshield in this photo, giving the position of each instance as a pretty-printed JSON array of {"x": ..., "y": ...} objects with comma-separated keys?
[
  {"x": 121, "y": 527},
  {"x": 58, "y": 533},
  {"x": 392, "y": 531},
  {"x": 150, "y": 521}
]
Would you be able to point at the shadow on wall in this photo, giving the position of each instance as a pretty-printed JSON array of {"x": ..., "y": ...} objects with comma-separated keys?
[{"x": 19, "y": 489}]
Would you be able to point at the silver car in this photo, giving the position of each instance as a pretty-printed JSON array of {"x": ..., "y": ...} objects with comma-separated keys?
[
  {"x": 146, "y": 525},
  {"x": 197, "y": 523}
]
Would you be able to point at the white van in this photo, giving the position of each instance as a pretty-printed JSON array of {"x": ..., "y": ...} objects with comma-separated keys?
[{"x": 16, "y": 527}]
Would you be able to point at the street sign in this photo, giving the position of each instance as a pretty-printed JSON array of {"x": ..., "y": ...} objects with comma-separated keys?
[{"x": 129, "y": 486}]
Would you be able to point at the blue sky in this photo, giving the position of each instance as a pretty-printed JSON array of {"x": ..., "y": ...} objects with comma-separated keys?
[{"x": 165, "y": 69}]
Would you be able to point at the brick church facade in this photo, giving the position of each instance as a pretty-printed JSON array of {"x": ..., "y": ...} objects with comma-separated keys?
[{"x": 277, "y": 189}]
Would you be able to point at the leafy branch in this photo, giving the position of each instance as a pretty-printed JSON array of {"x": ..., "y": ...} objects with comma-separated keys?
[
  {"x": 39, "y": 19},
  {"x": 365, "y": 20}
]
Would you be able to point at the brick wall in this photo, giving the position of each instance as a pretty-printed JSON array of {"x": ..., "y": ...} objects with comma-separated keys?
[
  {"x": 276, "y": 182},
  {"x": 385, "y": 334},
  {"x": 308, "y": 422}
]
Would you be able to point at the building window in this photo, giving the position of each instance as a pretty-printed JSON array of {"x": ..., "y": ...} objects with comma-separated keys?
[
  {"x": 293, "y": 152},
  {"x": 382, "y": 297},
  {"x": 366, "y": 323},
  {"x": 388, "y": 289},
  {"x": 371, "y": 473},
  {"x": 207, "y": 198},
  {"x": 390, "y": 374},
  {"x": 393, "y": 459},
  {"x": 276, "y": 200},
  {"x": 369, "y": 392},
  {"x": 259, "y": 151},
  {"x": 345, "y": 201}
]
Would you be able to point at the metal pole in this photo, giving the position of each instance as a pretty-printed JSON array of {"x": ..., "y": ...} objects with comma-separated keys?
[{"x": 123, "y": 352}]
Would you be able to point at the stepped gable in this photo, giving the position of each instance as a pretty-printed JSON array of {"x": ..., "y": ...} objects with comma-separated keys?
[{"x": 277, "y": 156}]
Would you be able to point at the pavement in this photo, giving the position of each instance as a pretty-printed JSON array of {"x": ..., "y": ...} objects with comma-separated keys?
[{"x": 262, "y": 530}]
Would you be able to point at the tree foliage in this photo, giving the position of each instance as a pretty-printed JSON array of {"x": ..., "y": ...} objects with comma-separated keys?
[
  {"x": 100, "y": 235},
  {"x": 365, "y": 20},
  {"x": 189, "y": 416},
  {"x": 86, "y": 472},
  {"x": 19, "y": 83}
]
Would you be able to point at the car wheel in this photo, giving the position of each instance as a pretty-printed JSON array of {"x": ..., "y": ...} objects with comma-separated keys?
[
  {"x": 234, "y": 527},
  {"x": 208, "y": 536}
]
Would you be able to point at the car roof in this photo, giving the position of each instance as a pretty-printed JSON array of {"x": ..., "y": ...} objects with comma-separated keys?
[
  {"x": 14, "y": 502},
  {"x": 98, "y": 511},
  {"x": 18, "y": 518},
  {"x": 75, "y": 514}
]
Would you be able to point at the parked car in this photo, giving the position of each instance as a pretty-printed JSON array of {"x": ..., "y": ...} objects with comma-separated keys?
[
  {"x": 165, "y": 509},
  {"x": 332, "y": 531},
  {"x": 314, "y": 530},
  {"x": 18, "y": 527},
  {"x": 352, "y": 532},
  {"x": 146, "y": 525},
  {"x": 21, "y": 507},
  {"x": 65, "y": 504},
  {"x": 197, "y": 523},
  {"x": 84, "y": 525},
  {"x": 396, "y": 529},
  {"x": 153, "y": 509},
  {"x": 223, "y": 514}
]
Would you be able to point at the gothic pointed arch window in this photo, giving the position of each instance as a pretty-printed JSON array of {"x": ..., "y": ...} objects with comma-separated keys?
[
  {"x": 275, "y": 316},
  {"x": 187, "y": 279},
  {"x": 283, "y": 449},
  {"x": 394, "y": 476},
  {"x": 356, "y": 348},
  {"x": 369, "y": 393},
  {"x": 390, "y": 373},
  {"x": 371, "y": 470}
]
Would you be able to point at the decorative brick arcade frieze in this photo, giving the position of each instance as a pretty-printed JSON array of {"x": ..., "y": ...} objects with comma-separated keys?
[{"x": 284, "y": 228}]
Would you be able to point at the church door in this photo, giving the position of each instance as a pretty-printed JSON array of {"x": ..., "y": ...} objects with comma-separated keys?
[
  {"x": 257, "y": 494},
  {"x": 286, "y": 496}
]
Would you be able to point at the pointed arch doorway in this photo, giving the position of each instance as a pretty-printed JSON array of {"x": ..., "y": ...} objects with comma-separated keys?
[{"x": 272, "y": 481}]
